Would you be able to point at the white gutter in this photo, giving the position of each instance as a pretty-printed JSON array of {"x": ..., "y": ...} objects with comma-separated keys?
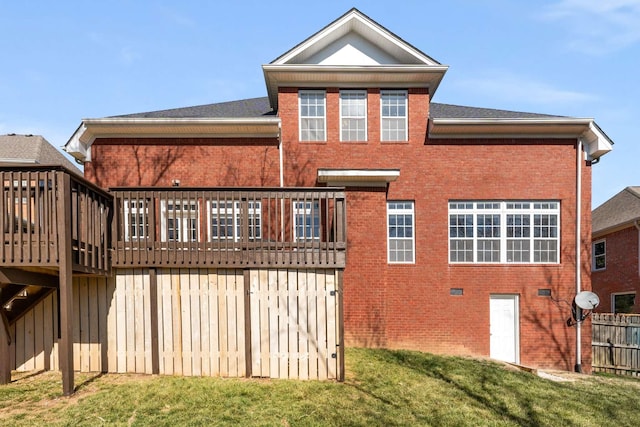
[
  {"x": 281, "y": 155},
  {"x": 578, "y": 367}
]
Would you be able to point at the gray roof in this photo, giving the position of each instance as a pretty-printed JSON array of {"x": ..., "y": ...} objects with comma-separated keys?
[
  {"x": 621, "y": 209},
  {"x": 259, "y": 107},
  {"x": 32, "y": 149},
  {"x": 254, "y": 107}
]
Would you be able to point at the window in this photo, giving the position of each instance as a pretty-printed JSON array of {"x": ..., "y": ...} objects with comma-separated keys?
[
  {"x": 623, "y": 302},
  {"x": 226, "y": 219},
  {"x": 179, "y": 221},
  {"x": 312, "y": 115},
  {"x": 136, "y": 220},
  {"x": 393, "y": 125},
  {"x": 504, "y": 232},
  {"x": 306, "y": 216},
  {"x": 599, "y": 255},
  {"x": 400, "y": 242},
  {"x": 353, "y": 115}
]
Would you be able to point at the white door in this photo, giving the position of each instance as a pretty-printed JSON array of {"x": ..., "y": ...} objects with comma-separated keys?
[{"x": 504, "y": 328}]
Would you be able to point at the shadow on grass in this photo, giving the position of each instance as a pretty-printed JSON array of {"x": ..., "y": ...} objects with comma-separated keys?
[{"x": 491, "y": 388}]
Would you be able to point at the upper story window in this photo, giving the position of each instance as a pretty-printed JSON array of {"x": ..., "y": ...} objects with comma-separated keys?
[
  {"x": 504, "y": 232},
  {"x": 353, "y": 115},
  {"x": 312, "y": 115},
  {"x": 306, "y": 219},
  {"x": 227, "y": 219},
  {"x": 400, "y": 227},
  {"x": 179, "y": 221},
  {"x": 599, "y": 255},
  {"x": 393, "y": 115},
  {"x": 136, "y": 219}
]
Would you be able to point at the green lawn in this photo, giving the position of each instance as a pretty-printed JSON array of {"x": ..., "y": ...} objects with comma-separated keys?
[{"x": 382, "y": 387}]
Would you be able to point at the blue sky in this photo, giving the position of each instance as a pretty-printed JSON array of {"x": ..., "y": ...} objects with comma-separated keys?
[{"x": 68, "y": 60}]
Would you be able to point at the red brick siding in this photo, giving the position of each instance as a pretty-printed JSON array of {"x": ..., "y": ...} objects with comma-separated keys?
[
  {"x": 403, "y": 306},
  {"x": 621, "y": 273}
]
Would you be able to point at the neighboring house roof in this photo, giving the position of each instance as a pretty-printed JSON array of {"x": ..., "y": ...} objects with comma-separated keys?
[
  {"x": 620, "y": 211},
  {"x": 32, "y": 149}
]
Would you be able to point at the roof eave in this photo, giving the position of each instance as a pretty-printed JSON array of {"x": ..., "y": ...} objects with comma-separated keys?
[
  {"x": 79, "y": 145},
  {"x": 346, "y": 76},
  {"x": 596, "y": 142}
]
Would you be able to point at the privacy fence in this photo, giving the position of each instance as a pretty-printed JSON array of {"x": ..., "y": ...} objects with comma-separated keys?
[{"x": 616, "y": 343}]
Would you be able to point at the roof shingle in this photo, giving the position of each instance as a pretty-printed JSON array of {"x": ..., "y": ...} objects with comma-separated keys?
[
  {"x": 32, "y": 149},
  {"x": 621, "y": 209}
]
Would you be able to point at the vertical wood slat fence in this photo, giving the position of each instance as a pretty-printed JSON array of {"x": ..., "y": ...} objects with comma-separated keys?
[
  {"x": 210, "y": 322},
  {"x": 616, "y": 343}
]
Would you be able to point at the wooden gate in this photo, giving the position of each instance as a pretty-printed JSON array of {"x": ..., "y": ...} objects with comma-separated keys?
[{"x": 295, "y": 324}]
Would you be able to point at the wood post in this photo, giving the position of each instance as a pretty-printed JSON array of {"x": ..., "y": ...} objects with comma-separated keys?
[
  {"x": 340, "y": 320},
  {"x": 5, "y": 342},
  {"x": 153, "y": 308},
  {"x": 65, "y": 349},
  {"x": 247, "y": 324}
]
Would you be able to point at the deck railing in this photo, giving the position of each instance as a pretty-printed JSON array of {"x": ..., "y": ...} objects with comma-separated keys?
[
  {"x": 35, "y": 203},
  {"x": 229, "y": 227}
]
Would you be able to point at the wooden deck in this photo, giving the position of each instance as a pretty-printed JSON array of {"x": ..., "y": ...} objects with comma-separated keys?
[{"x": 233, "y": 227}]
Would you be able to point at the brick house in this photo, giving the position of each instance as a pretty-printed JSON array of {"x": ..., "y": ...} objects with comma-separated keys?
[
  {"x": 345, "y": 191},
  {"x": 615, "y": 268}
]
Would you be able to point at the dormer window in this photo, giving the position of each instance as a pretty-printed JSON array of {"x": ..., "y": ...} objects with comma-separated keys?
[
  {"x": 312, "y": 115},
  {"x": 353, "y": 115},
  {"x": 393, "y": 115}
]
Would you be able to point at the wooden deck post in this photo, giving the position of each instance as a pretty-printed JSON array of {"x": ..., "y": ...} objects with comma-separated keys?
[
  {"x": 5, "y": 342},
  {"x": 65, "y": 349},
  {"x": 153, "y": 308}
]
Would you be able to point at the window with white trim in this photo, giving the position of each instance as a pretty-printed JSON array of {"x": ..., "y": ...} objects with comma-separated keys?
[
  {"x": 393, "y": 115},
  {"x": 504, "y": 231},
  {"x": 312, "y": 115},
  {"x": 306, "y": 220},
  {"x": 353, "y": 115},
  {"x": 623, "y": 302},
  {"x": 136, "y": 219},
  {"x": 599, "y": 255},
  {"x": 400, "y": 232},
  {"x": 179, "y": 220},
  {"x": 226, "y": 219}
]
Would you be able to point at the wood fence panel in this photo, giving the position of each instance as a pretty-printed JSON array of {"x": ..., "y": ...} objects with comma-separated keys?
[
  {"x": 201, "y": 328},
  {"x": 616, "y": 343},
  {"x": 295, "y": 314}
]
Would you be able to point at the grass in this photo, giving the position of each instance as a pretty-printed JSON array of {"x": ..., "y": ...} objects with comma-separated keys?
[{"x": 382, "y": 387}]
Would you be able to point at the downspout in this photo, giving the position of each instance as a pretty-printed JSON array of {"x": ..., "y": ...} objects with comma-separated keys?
[
  {"x": 281, "y": 155},
  {"x": 578, "y": 367}
]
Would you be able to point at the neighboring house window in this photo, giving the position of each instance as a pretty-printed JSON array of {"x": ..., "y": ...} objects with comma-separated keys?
[
  {"x": 623, "y": 302},
  {"x": 393, "y": 116},
  {"x": 226, "y": 219},
  {"x": 599, "y": 255},
  {"x": 136, "y": 220},
  {"x": 312, "y": 115},
  {"x": 353, "y": 115},
  {"x": 306, "y": 220},
  {"x": 400, "y": 229},
  {"x": 504, "y": 231},
  {"x": 179, "y": 221}
]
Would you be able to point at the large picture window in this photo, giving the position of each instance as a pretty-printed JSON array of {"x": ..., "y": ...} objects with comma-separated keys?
[
  {"x": 504, "y": 231},
  {"x": 353, "y": 115},
  {"x": 312, "y": 115},
  {"x": 400, "y": 229},
  {"x": 393, "y": 115}
]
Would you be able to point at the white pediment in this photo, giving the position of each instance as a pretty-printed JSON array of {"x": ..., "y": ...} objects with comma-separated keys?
[
  {"x": 354, "y": 34},
  {"x": 352, "y": 49}
]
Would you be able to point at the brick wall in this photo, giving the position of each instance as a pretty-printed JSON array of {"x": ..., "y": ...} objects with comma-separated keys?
[
  {"x": 402, "y": 306},
  {"x": 621, "y": 273}
]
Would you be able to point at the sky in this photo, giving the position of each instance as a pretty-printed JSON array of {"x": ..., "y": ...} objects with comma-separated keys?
[{"x": 67, "y": 60}]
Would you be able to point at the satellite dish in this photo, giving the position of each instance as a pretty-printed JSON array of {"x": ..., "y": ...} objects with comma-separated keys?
[{"x": 587, "y": 300}]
